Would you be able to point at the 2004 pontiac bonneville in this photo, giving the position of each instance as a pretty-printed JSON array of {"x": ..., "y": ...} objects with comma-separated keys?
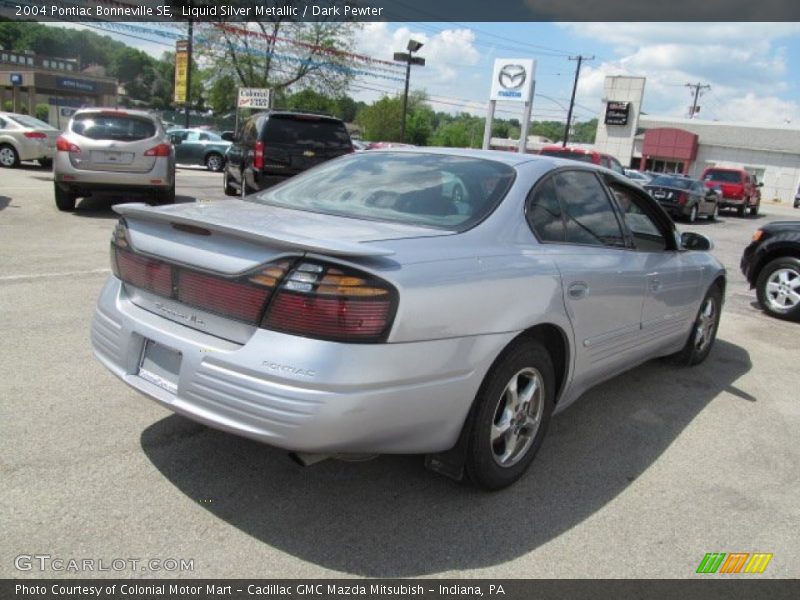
[{"x": 438, "y": 301}]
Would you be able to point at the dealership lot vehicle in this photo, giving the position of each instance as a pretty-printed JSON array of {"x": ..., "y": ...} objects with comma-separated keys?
[
  {"x": 241, "y": 315},
  {"x": 273, "y": 146},
  {"x": 199, "y": 147},
  {"x": 604, "y": 480},
  {"x": 739, "y": 189},
  {"x": 113, "y": 150},
  {"x": 638, "y": 176},
  {"x": 684, "y": 197},
  {"x": 771, "y": 264},
  {"x": 25, "y": 138},
  {"x": 583, "y": 155}
]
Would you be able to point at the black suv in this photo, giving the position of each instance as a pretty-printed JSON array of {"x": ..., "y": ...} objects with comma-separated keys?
[
  {"x": 273, "y": 146},
  {"x": 771, "y": 264}
]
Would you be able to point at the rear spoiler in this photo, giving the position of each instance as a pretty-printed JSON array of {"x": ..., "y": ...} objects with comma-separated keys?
[{"x": 331, "y": 247}]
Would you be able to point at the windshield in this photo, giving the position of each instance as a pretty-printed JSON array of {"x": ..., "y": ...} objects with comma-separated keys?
[
  {"x": 444, "y": 192},
  {"x": 124, "y": 128},
  {"x": 27, "y": 121},
  {"x": 723, "y": 176},
  {"x": 568, "y": 154},
  {"x": 671, "y": 181}
]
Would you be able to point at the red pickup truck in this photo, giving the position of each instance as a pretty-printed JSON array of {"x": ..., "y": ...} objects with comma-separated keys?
[{"x": 739, "y": 188}]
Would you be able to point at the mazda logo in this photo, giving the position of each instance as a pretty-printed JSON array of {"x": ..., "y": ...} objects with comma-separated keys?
[{"x": 512, "y": 76}]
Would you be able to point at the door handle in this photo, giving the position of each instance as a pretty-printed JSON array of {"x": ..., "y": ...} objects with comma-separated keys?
[{"x": 578, "y": 290}]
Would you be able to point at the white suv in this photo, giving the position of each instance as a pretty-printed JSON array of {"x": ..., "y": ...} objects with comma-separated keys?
[{"x": 113, "y": 150}]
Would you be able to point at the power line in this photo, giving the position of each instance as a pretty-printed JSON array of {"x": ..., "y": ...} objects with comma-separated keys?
[
  {"x": 580, "y": 58},
  {"x": 697, "y": 87}
]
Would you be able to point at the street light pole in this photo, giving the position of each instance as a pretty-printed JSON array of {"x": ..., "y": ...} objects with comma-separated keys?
[
  {"x": 580, "y": 60},
  {"x": 409, "y": 59}
]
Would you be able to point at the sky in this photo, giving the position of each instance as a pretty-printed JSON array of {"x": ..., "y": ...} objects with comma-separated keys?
[{"x": 753, "y": 69}]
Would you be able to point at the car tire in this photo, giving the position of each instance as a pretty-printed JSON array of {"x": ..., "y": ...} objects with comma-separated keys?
[
  {"x": 797, "y": 202},
  {"x": 742, "y": 209},
  {"x": 46, "y": 163},
  {"x": 510, "y": 416},
  {"x": 692, "y": 216},
  {"x": 65, "y": 201},
  {"x": 703, "y": 333},
  {"x": 778, "y": 287},
  {"x": 754, "y": 209},
  {"x": 215, "y": 162},
  {"x": 9, "y": 158},
  {"x": 714, "y": 213},
  {"x": 165, "y": 196},
  {"x": 229, "y": 189}
]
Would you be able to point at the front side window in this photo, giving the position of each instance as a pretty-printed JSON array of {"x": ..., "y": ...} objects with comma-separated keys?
[
  {"x": 588, "y": 213},
  {"x": 647, "y": 236},
  {"x": 444, "y": 192}
]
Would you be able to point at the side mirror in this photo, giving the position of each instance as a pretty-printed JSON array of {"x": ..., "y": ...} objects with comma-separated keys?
[
  {"x": 695, "y": 241},
  {"x": 227, "y": 136}
]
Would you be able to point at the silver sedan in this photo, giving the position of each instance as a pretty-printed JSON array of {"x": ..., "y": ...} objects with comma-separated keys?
[
  {"x": 360, "y": 308},
  {"x": 24, "y": 138}
]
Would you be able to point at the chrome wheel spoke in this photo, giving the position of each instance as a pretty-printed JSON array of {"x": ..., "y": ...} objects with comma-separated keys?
[
  {"x": 500, "y": 429},
  {"x": 517, "y": 417}
]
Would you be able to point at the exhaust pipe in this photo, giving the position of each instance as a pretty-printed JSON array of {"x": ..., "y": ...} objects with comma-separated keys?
[{"x": 306, "y": 459}]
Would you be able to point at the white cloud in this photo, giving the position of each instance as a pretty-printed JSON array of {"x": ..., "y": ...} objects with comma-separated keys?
[{"x": 742, "y": 62}]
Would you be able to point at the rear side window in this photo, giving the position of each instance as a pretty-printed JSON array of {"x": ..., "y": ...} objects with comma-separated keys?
[
  {"x": 122, "y": 128},
  {"x": 723, "y": 176},
  {"x": 590, "y": 218},
  {"x": 307, "y": 133},
  {"x": 544, "y": 213}
]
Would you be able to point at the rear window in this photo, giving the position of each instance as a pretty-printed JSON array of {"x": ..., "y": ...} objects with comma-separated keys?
[
  {"x": 673, "y": 182},
  {"x": 568, "y": 154},
  {"x": 723, "y": 176},
  {"x": 123, "y": 128},
  {"x": 27, "y": 121},
  {"x": 431, "y": 190},
  {"x": 307, "y": 133}
]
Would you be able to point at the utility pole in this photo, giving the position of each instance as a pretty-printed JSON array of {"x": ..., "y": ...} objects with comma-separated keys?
[
  {"x": 697, "y": 87},
  {"x": 580, "y": 60}
]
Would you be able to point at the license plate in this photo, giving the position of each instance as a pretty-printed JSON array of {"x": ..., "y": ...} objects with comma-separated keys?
[
  {"x": 160, "y": 366},
  {"x": 112, "y": 158},
  {"x": 659, "y": 194}
]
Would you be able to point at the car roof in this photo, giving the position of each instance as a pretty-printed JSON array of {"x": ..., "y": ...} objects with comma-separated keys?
[
  {"x": 294, "y": 113},
  {"x": 502, "y": 156}
]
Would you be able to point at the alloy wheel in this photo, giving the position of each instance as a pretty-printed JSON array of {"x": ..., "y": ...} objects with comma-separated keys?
[
  {"x": 704, "y": 327},
  {"x": 517, "y": 417},
  {"x": 783, "y": 289}
]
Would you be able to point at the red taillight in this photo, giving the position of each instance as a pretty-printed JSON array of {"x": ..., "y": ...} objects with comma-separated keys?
[
  {"x": 64, "y": 145},
  {"x": 145, "y": 273},
  {"x": 258, "y": 157},
  {"x": 35, "y": 135},
  {"x": 160, "y": 150},
  {"x": 233, "y": 299},
  {"x": 329, "y": 303},
  {"x": 683, "y": 197}
]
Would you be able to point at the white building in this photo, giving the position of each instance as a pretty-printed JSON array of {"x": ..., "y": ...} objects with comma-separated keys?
[{"x": 647, "y": 142}]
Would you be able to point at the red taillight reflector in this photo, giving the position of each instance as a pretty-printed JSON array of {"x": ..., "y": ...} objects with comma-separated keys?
[
  {"x": 64, "y": 145},
  {"x": 35, "y": 135},
  {"x": 145, "y": 273},
  {"x": 258, "y": 157},
  {"x": 68, "y": 177},
  {"x": 222, "y": 296},
  {"x": 682, "y": 198},
  {"x": 337, "y": 319},
  {"x": 160, "y": 150}
]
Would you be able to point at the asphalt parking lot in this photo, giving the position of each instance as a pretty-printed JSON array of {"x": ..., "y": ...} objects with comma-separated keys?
[{"x": 640, "y": 478}]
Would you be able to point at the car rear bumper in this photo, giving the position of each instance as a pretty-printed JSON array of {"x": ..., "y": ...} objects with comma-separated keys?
[
  {"x": 301, "y": 394},
  {"x": 162, "y": 175}
]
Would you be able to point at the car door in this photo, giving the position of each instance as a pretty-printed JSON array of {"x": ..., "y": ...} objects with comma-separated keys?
[
  {"x": 673, "y": 277},
  {"x": 705, "y": 206},
  {"x": 178, "y": 139},
  {"x": 237, "y": 153},
  {"x": 571, "y": 213}
]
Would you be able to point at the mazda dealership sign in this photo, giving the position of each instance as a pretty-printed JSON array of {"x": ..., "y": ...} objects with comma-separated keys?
[{"x": 513, "y": 79}]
